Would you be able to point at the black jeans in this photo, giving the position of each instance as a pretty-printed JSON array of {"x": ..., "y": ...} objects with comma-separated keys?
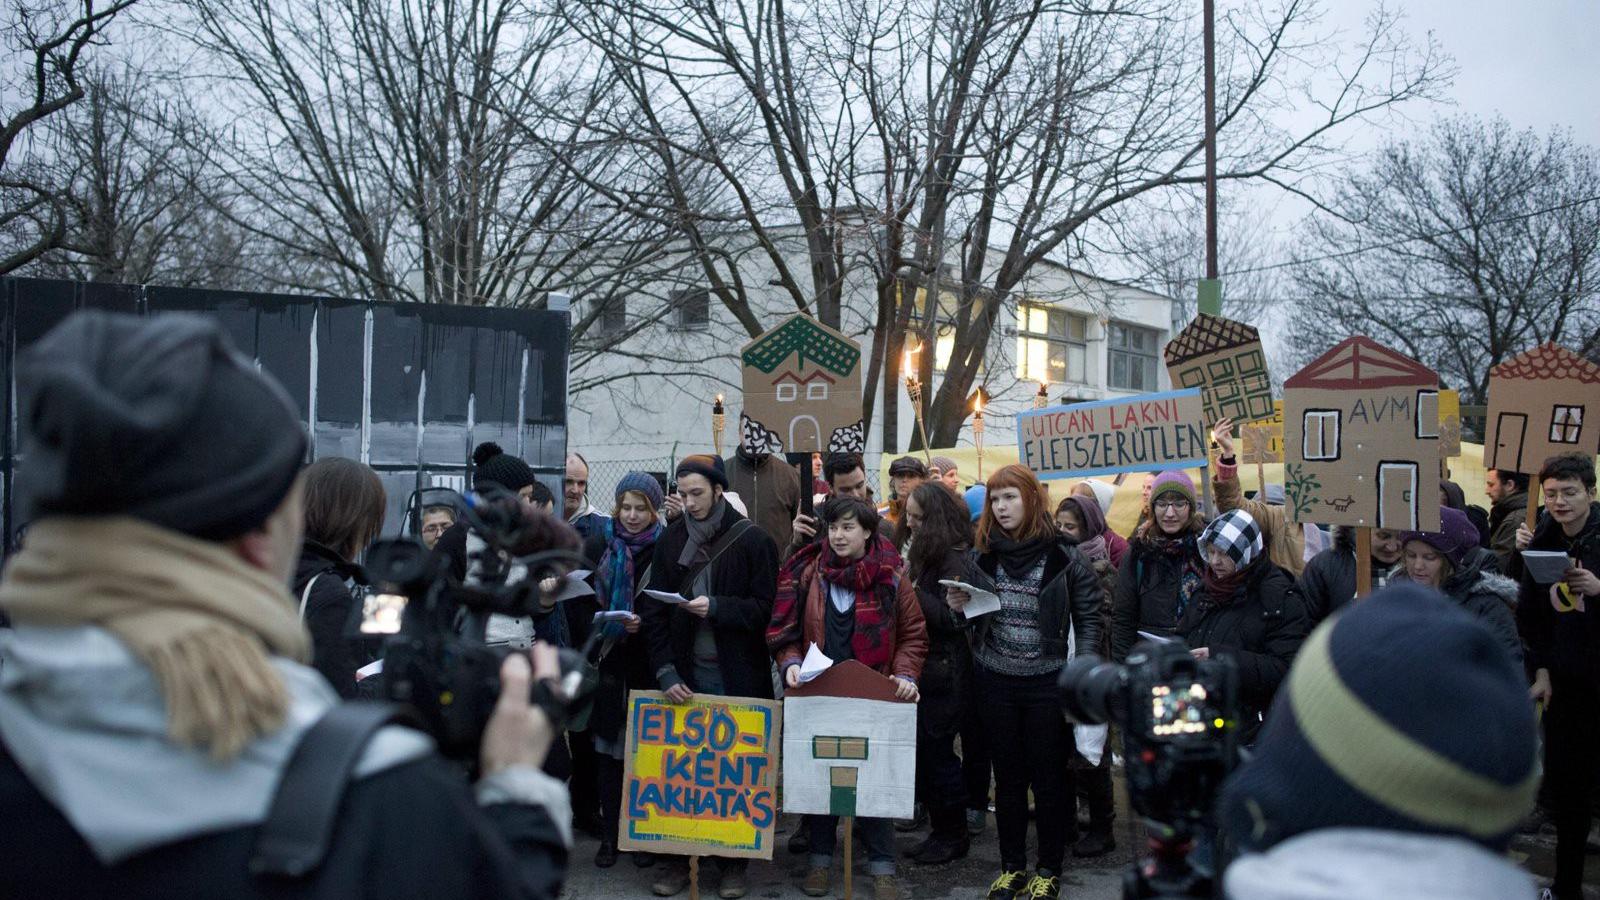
[
  {"x": 1094, "y": 786},
  {"x": 977, "y": 768},
  {"x": 584, "y": 787},
  {"x": 940, "y": 785},
  {"x": 1031, "y": 740},
  {"x": 1571, "y": 744}
]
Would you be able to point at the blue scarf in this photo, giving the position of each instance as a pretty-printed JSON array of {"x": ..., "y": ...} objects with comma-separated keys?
[{"x": 616, "y": 571}]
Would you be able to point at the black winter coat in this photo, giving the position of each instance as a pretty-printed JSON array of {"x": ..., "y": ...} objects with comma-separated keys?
[
  {"x": 626, "y": 665},
  {"x": 947, "y": 670},
  {"x": 1147, "y": 596},
  {"x": 1069, "y": 598},
  {"x": 411, "y": 831},
  {"x": 1329, "y": 579},
  {"x": 744, "y": 581},
  {"x": 1262, "y": 629},
  {"x": 1488, "y": 596},
  {"x": 330, "y": 614},
  {"x": 1566, "y": 643}
]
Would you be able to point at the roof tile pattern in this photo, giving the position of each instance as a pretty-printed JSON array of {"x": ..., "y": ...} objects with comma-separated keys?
[
  {"x": 1208, "y": 334},
  {"x": 810, "y": 339},
  {"x": 1547, "y": 362}
]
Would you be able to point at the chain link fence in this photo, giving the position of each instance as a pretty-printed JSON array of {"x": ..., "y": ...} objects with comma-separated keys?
[{"x": 605, "y": 473}]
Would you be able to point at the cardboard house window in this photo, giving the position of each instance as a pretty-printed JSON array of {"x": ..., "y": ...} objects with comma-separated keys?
[
  {"x": 788, "y": 393},
  {"x": 1052, "y": 345},
  {"x": 692, "y": 309},
  {"x": 1321, "y": 434},
  {"x": 1566, "y": 424},
  {"x": 1427, "y": 414},
  {"x": 817, "y": 390}
]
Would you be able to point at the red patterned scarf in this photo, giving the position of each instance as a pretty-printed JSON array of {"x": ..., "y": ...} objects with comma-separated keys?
[{"x": 874, "y": 578}]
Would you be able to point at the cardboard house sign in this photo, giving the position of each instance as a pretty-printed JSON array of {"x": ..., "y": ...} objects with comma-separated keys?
[
  {"x": 1147, "y": 433},
  {"x": 1226, "y": 361},
  {"x": 802, "y": 390},
  {"x": 700, "y": 778},
  {"x": 1262, "y": 442},
  {"x": 1541, "y": 403},
  {"x": 849, "y": 747},
  {"x": 1361, "y": 439}
]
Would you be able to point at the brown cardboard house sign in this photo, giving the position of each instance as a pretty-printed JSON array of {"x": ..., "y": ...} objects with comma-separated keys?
[
  {"x": 1225, "y": 360},
  {"x": 1361, "y": 439},
  {"x": 802, "y": 390},
  {"x": 1542, "y": 402}
]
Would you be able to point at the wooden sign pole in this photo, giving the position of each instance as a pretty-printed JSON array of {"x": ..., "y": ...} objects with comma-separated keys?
[
  {"x": 694, "y": 878},
  {"x": 1363, "y": 561},
  {"x": 849, "y": 843},
  {"x": 1261, "y": 478},
  {"x": 802, "y": 462},
  {"x": 1533, "y": 505}
]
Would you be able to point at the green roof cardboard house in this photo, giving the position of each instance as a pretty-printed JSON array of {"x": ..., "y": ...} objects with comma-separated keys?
[{"x": 802, "y": 390}]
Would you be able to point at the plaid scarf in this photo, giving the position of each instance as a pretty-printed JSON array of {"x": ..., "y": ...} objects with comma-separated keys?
[
  {"x": 616, "y": 571},
  {"x": 873, "y": 578}
]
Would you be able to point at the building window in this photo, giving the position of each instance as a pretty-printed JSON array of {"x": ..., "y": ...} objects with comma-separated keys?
[
  {"x": 1566, "y": 424},
  {"x": 1052, "y": 345},
  {"x": 1427, "y": 414},
  {"x": 613, "y": 318},
  {"x": 817, "y": 390},
  {"x": 1321, "y": 439},
  {"x": 787, "y": 393},
  {"x": 1132, "y": 356},
  {"x": 692, "y": 309}
]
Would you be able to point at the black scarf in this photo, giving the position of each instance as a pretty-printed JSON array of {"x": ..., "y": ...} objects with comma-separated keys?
[{"x": 1019, "y": 557}]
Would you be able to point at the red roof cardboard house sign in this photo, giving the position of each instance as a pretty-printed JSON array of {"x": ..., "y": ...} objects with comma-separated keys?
[
  {"x": 1147, "y": 433},
  {"x": 1225, "y": 360},
  {"x": 1361, "y": 439},
  {"x": 1541, "y": 403},
  {"x": 802, "y": 390},
  {"x": 849, "y": 747}
]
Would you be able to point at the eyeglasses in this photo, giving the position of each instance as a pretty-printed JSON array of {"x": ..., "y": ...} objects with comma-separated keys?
[
  {"x": 436, "y": 527},
  {"x": 1165, "y": 505}
]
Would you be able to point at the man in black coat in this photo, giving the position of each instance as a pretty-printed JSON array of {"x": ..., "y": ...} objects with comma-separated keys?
[
  {"x": 156, "y": 688},
  {"x": 1561, "y": 624},
  {"x": 716, "y": 642}
]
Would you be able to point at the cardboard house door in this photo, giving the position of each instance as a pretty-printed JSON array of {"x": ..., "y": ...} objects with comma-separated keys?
[
  {"x": 805, "y": 432},
  {"x": 1397, "y": 495},
  {"x": 1510, "y": 430}
]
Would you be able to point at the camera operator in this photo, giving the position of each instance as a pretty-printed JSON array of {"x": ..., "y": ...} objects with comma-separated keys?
[
  {"x": 1397, "y": 761},
  {"x": 155, "y": 687}
]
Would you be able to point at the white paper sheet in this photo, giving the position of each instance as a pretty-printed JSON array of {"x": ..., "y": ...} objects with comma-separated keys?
[
  {"x": 666, "y": 596},
  {"x": 612, "y": 615},
  {"x": 982, "y": 603},
  {"x": 1157, "y": 638},
  {"x": 370, "y": 669},
  {"x": 815, "y": 663},
  {"x": 573, "y": 587},
  {"x": 1546, "y": 566}
]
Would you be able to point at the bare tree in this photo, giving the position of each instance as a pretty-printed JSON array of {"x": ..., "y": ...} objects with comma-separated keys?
[
  {"x": 45, "y": 44},
  {"x": 952, "y": 147},
  {"x": 1461, "y": 247},
  {"x": 133, "y": 174}
]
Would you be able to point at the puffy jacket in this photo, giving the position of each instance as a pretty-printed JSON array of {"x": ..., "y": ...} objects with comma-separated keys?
[
  {"x": 1566, "y": 643},
  {"x": 1329, "y": 579},
  {"x": 1069, "y": 598},
  {"x": 1147, "y": 595},
  {"x": 1262, "y": 629},
  {"x": 1285, "y": 540},
  {"x": 1488, "y": 596}
]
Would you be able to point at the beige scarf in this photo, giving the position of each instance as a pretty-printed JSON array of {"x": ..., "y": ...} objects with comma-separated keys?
[{"x": 203, "y": 620}]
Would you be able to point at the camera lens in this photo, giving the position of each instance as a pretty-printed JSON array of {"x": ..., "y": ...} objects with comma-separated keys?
[{"x": 1088, "y": 685}]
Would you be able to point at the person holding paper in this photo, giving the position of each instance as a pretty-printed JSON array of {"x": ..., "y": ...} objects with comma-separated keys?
[
  {"x": 1049, "y": 611},
  {"x": 1445, "y": 561},
  {"x": 715, "y": 643},
  {"x": 1163, "y": 571},
  {"x": 625, "y": 546},
  {"x": 942, "y": 532},
  {"x": 1248, "y": 608},
  {"x": 1561, "y": 624},
  {"x": 847, "y": 596}
]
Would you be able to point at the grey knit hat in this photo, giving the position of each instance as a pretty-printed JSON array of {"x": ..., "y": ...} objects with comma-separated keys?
[{"x": 643, "y": 483}]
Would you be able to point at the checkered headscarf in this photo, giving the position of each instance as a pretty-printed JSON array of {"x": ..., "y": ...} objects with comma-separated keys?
[{"x": 1236, "y": 534}]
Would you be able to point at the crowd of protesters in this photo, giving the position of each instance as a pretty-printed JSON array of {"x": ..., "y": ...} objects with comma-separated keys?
[{"x": 177, "y": 664}]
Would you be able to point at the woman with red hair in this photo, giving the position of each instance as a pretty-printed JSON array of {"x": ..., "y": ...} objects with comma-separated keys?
[{"x": 1049, "y": 611}]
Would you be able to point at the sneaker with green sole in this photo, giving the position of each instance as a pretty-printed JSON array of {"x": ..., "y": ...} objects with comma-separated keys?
[{"x": 1008, "y": 886}]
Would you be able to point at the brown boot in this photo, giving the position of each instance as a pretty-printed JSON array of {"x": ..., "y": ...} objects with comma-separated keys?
[
  {"x": 817, "y": 883},
  {"x": 884, "y": 888},
  {"x": 672, "y": 881}
]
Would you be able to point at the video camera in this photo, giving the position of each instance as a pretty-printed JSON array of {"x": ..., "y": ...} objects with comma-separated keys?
[
  {"x": 1179, "y": 719},
  {"x": 434, "y": 656}
]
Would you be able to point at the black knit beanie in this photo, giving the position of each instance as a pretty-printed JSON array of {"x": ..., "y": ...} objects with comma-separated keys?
[
  {"x": 1401, "y": 713},
  {"x": 491, "y": 465},
  {"x": 157, "y": 418},
  {"x": 705, "y": 464}
]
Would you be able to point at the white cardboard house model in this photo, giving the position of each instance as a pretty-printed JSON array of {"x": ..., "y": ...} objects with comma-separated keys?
[{"x": 849, "y": 747}]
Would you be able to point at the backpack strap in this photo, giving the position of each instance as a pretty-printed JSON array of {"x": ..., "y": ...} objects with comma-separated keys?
[
  {"x": 305, "y": 594},
  {"x": 728, "y": 539},
  {"x": 295, "y": 836}
]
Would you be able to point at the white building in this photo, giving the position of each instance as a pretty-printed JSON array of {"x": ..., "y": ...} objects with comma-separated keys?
[{"x": 1087, "y": 337}]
